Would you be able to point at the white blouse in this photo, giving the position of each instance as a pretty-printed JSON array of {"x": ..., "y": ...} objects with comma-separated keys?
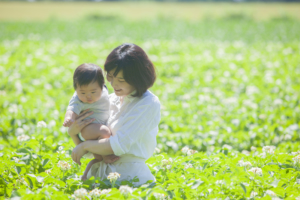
[{"x": 134, "y": 126}]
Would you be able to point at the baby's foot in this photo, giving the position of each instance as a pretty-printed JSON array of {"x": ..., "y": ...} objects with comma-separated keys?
[
  {"x": 84, "y": 177},
  {"x": 68, "y": 122}
]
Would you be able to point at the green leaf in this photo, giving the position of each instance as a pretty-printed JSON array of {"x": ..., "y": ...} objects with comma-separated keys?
[
  {"x": 244, "y": 188},
  {"x": 44, "y": 162}
]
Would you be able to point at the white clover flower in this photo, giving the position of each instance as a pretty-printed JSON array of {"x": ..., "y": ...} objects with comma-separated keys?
[
  {"x": 95, "y": 193},
  {"x": 42, "y": 124},
  {"x": 168, "y": 166},
  {"x": 159, "y": 196},
  {"x": 60, "y": 148},
  {"x": 23, "y": 138},
  {"x": 188, "y": 166},
  {"x": 297, "y": 159},
  {"x": 298, "y": 181},
  {"x": 63, "y": 165},
  {"x": 48, "y": 171},
  {"x": 269, "y": 149},
  {"x": 271, "y": 193},
  {"x": 256, "y": 171},
  {"x": 105, "y": 191},
  {"x": 182, "y": 176},
  {"x": 81, "y": 193},
  {"x": 16, "y": 159},
  {"x": 253, "y": 148},
  {"x": 287, "y": 137},
  {"x": 185, "y": 150},
  {"x": 113, "y": 176},
  {"x": 216, "y": 159},
  {"x": 253, "y": 194},
  {"x": 125, "y": 190},
  {"x": 226, "y": 146}
]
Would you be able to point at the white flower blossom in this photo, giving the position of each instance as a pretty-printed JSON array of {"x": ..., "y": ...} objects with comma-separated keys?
[
  {"x": 244, "y": 164},
  {"x": 80, "y": 193},
  {"x": 269, "y": 149},
  {"x": 63, "y": 165},
  {"x": 19, "y": 131},
  {"x": 157, "y": 150},
  {"x": 247, "y": 153},
  {"x": 23, "y": 138},
  {"x": 105, "y": 191},
  {"x": 220, "y": 182},
  {"x": 185, "y": 150},
  {"x": 226, "y": 146},
  {"x": 113, "y": 176},
  {"x": 125, "y": 190},
  {"x": 296, "y": 159},
  {"x": 168, "y": 166},
  {"x": 48, "y": 171},
  {"x": 295, "y": 153},
  {"x": 191, "y": 152},
  {"x": 42, "y": 124},
  {"x": 298, "y": 181},
  {"x": 271, "y": 193},
  {"x": 256, "y": 171},
  {"x": 159, "y": 196},
  {"x": 253, "y": 194},
  {"x": 60, "y": 148},
  {"x": 188, "y": 166},
  {"x": 253, "y": 148},
  {"x": 95, "y": 193},
  {"x": 16, "y": 159}
]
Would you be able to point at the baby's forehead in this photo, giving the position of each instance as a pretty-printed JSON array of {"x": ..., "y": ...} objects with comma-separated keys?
[{"x": 91, "y": 86}]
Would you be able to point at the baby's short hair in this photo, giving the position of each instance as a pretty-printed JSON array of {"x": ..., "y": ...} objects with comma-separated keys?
[{"x": 87, "y": 73}]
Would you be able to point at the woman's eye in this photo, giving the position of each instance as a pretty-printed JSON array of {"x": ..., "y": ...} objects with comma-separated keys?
[
  {"x": 93, "y": 92},
  {"x": 82, "y": 93}
]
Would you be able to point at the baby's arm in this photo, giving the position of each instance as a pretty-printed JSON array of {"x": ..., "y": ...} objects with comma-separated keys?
[{"x": 69, "y": 118}]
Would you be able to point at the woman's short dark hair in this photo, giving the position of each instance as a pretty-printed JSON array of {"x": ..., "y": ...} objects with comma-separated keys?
[
  {"x": 88, "y": 73},
  {"x": 138, "y": 70}
]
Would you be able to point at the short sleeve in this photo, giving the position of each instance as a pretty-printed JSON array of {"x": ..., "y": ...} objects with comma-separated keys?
[
  {"x": 140, "y": 120},
  {"x": 74, "y": 104}
]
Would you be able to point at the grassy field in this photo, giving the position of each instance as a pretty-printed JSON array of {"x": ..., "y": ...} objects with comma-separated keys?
[
  {"x": 41, "y": 11},
  {"x": 229, "y": 88}
]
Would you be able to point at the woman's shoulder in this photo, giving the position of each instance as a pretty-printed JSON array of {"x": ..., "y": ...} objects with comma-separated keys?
[{"x": 149, "y": 98}]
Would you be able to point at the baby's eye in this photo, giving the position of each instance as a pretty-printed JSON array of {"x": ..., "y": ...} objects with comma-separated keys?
[
  {"x": 93, "y": 92},
  {"x": 82, "y": 93}
]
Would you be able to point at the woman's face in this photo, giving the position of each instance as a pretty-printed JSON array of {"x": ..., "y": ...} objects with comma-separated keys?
[{"x": 121, "y": 87}]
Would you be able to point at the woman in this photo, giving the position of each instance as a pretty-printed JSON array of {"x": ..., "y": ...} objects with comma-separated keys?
[{"x": 133, "y": 121}]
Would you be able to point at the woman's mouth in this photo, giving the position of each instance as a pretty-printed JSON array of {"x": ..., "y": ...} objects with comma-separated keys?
[{"x": 118, "y": 90}]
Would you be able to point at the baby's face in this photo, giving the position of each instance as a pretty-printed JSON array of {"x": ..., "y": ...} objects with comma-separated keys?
[{"x": 89, "y": 93}]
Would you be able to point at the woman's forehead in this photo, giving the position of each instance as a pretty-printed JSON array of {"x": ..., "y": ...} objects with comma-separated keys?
[{"x": 119, "y": 75}]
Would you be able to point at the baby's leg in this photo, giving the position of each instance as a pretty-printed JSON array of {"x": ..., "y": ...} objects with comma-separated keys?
[
  {"x": 88, "y": 167},
  {"x": 95, "y": 131}
]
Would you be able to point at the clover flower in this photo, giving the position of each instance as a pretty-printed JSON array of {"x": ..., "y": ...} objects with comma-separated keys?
[
  {"x": 157, "y": 150},
  {"x": 271, "y": 193},
  {"x": 42, "y": 124},
  {"x": 220, "y": 182},
  {"x": 60, "y": 148},
  {"x": 125, "y": 190},
  {"x": 191, "y": 152},
  {"x": 188, "y": 166},
  {"x": 48, "y": 171},
  {"x": 95, "y": 193},
  {"x": 297, "y": 159},
  {"x": 269, "y": 149},
  {"x": 80, "y": 193},
  {"x": 63, "y": 165},
  {"x": 226, "y": 146},
  {"x": 295, "y": 153},
  {"x": 23, "y": 138},
  {"x": 159, "y": 196},
  {"x": 256, "y": 171}
]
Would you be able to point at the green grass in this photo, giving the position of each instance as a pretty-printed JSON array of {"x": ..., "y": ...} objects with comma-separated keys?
[{"x": 220, "y": 82}]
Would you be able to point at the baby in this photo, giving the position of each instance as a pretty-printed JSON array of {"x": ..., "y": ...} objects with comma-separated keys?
[{"x": 90, "y": 93}]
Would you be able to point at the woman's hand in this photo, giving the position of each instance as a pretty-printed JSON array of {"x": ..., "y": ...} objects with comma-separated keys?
[
  {"x": 80, "y": 122},
  {"x": 110, "y": 158},
  {"x": 78, "y": 152}
]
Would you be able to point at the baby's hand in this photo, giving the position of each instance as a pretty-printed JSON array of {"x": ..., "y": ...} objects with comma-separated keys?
[{"x": 68, "y": 122}]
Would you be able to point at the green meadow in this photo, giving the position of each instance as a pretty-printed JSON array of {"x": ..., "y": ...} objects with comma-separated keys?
[{"x": 228, "y": 84}]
